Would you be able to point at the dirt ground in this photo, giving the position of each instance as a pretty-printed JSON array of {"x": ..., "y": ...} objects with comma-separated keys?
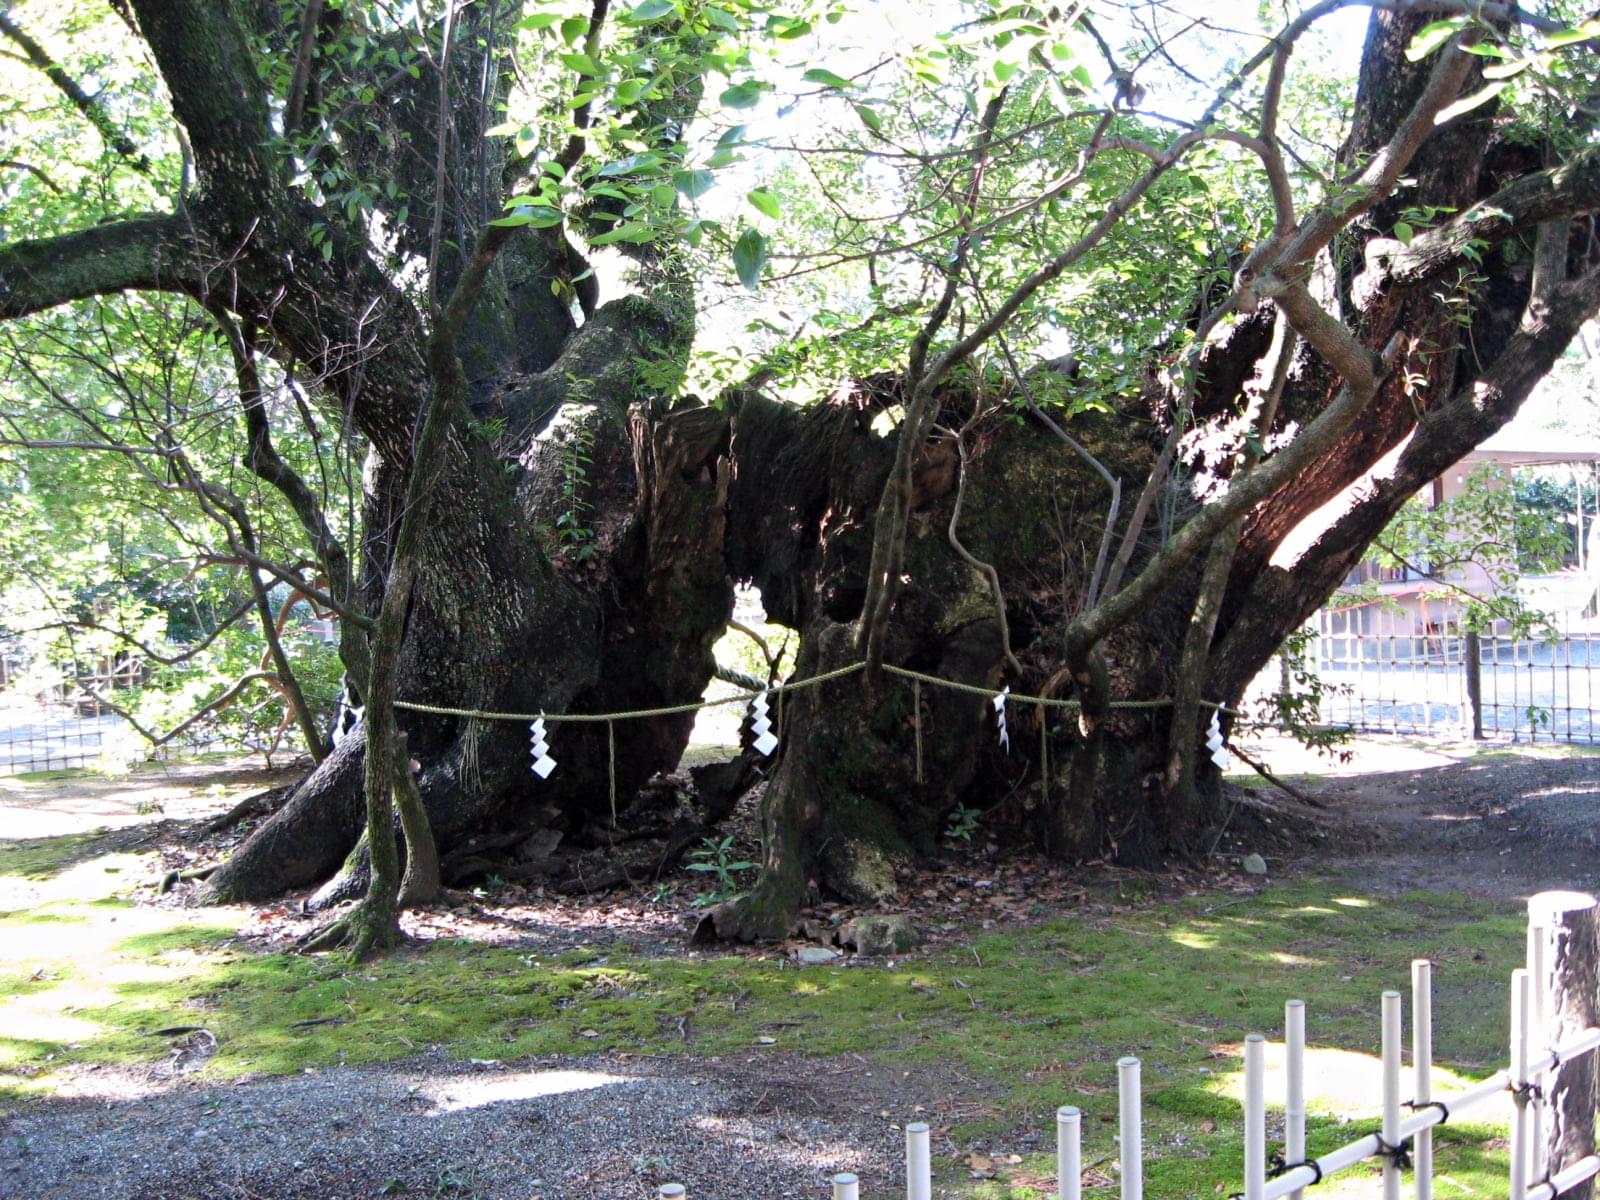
[{"x": 1495, "y": 824}]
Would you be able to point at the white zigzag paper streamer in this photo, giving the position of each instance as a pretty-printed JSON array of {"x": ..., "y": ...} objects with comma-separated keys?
[
  {"x": 1000, "y": 717},
  {"x": 355, "y": 715},
  {"x": 765, "y": 741},
  {"x": 539, "y": 750},
  {"x": 1219, "y": 752}
]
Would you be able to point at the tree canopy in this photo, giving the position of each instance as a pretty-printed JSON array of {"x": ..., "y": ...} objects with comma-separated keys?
[{"x": 512, "y": 334}]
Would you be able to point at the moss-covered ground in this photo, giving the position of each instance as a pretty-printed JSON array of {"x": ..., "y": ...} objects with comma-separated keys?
[{"x": 1036, "y": 1016}]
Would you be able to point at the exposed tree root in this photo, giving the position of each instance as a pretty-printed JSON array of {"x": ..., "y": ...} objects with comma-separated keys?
[
  {"x": 259, "y": 804},
  {"x": 1266, "y": 773},
  {"x": 365, "y": 930}
]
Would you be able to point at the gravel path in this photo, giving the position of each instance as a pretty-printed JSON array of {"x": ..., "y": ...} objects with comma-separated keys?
[{"x": 551, "y": 1129}]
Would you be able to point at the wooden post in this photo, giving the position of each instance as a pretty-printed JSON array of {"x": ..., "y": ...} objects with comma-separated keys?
[
  {"x": 1472, "y": 655},
  {"x": 1570, "y": 994}
]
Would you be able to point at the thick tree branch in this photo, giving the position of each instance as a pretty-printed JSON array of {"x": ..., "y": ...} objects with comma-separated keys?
[
  {"x": 204, "y": 54},
  {"x": 305, "y": 50},
  {"x": 143, "y": 254},
  {"x": 1570, "y": 190},
  {"x": 1372, "y": 185},
  {"x": 1243, "y": 494},
  {"x": 1284, "y": 594}
]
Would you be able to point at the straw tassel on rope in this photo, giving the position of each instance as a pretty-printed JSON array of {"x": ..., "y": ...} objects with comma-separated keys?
[
  {"x": 916, "y": 722},
  {"x": 1044, "y": 753},
  {"x": 611, "y": 766}
]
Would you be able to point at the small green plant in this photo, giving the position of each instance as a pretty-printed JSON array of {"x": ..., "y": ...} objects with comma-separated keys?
[
  {"x": 456, "y": 1179},
  {"x": 714, "y": 857},
  {"x": 490, "y": 429},
  {"x": 649, "y": 1165},
  {"x": 963, "y": 823},
  {"x": 577, "y": 456},
  {"x": 1537, "y": 718}
]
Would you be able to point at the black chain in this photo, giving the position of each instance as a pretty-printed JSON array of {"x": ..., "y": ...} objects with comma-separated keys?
[{"x": 1397, "y": 1153}]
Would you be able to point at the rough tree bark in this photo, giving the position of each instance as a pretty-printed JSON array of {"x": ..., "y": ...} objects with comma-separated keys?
[{"x": 509, "y": 611}]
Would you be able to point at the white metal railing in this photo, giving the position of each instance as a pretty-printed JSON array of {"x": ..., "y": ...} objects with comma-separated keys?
[{"x": 1400, "y": 1139}]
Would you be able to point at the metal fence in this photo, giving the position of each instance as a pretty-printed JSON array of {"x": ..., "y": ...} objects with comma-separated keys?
[
  {"x": 53, "y": 721},
  {"x": 1549, "y": 1080},
  {"x": 1381, "y": 676}
]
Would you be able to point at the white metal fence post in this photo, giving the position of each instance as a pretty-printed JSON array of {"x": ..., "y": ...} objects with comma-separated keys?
[
  {"x": 1132, "y": 1144},
  {"x": 1391, "y": 1095},
  {"x": 1422, "y": 1069},
  {"x": 1255, "y": 1117},
  {"x": 1538, "y": 938},
  {"x": 1519, "y": 1083},
  {"x": 919, "y": 1162},
  {"x": 1069, "y": 1153},
  {"x": 846, "y": 1186},
  {"x": 1294, "y": 1108}
]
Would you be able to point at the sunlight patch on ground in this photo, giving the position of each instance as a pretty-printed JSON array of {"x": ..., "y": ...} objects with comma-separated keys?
[
  {"x": 1348, "y": 1084},
  {"x": 70, "y": 945},
  {"x": 58, "y": 804},
  {"x": 479, "y": 1091},
  {"x": 1294, "y": 960},
  {"x": 95, "y": 879}
]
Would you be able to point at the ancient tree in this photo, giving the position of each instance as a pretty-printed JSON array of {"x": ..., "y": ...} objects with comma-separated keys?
[{"x": 1269, "y": 281}]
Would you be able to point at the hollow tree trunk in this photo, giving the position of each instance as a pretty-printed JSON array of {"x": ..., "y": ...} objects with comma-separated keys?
[{"x": 510, "y": 616}]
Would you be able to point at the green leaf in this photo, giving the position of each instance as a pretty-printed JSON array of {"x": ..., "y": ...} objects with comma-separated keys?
[
  {"x": 630, "y": 90},
  {"x": 1510, "y": 70},
  {"x": 581, "y": 63},
  {"x": 663, "y": 195},
  {"x": 826, "y": 78},
  {"x": 1433, "y": 35},
  {"x": 538, "y": 216},
  {"x": 628, "y": 231},
  {"x": 743, "y": 95},
  {"x": 1580, "y": 33},
  {"x": 539, "y": 21},
  {"x": 788, "y": 27},
  {"x": 764, "y": 201},
  {"x": 869, "y": 118},
  {"x": 650, "y": 10},
  {"x": 631, "y": 164},
  {"x": 1403, "y": 232},
  {"x": 750, "y": 258},
  {"x": 693, "y": 184},
  {"x": 1467, "y": 103},
  {"x": 574, "y": 28}
]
